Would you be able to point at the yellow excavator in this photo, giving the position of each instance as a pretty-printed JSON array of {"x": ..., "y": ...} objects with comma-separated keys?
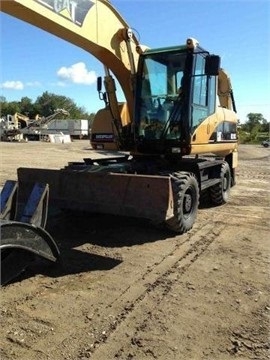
[
  {"x": 11, "y": 125},
  {"x": 178, "y": 127}
]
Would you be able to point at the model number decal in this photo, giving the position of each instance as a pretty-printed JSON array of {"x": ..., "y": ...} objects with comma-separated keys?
[
  {"x": 103, "y": 137},
  {"x": 73, "y": 10}
]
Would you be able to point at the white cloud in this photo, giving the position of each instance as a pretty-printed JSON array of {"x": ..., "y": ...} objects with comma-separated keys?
[
  {"x": 77, "y": 73},
  {"x": 60, "y": 84},
  {"x": 33, "y": 84},
  {"x": 19, "y": 85},
  {"x": 15, "y": 85}
]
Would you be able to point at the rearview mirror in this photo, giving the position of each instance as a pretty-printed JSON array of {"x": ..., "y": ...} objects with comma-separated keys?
[
  {"x": 99, "y": 84},
  {"x": 212, "y": 65}
]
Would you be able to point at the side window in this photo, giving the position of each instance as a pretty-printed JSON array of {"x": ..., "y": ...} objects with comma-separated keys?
[
  {"x": 204, "y": 89},
  {"x": 200, "y": 83},
  {"x": 179, "y": 77},
  {"x": 157, "y": 77},
  {"x": 212, "y": 94}
]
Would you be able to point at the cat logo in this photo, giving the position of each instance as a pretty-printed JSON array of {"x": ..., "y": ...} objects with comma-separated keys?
[{"x": 73, "y": 10}]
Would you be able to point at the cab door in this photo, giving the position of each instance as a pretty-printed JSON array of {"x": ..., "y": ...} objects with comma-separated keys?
[{"x": 203, "y": 102}]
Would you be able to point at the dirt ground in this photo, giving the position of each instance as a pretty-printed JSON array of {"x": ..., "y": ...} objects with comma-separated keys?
[{"x": 127, "y": 290}]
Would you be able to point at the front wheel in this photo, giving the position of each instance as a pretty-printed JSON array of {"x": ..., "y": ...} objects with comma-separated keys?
[
  {"x": 220, "y": 192},
  {"x": 186, "y": 200}
]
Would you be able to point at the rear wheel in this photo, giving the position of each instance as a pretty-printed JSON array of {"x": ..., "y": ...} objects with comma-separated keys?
[
  {"x": 220, "y": 192},
  {"x": 186, "y": 200}
]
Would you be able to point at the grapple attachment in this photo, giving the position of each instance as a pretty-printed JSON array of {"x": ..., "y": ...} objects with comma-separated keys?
[{"x": 23, "y": 236}]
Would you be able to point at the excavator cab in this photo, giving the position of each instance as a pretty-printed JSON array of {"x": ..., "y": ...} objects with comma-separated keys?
[{"x": 176, "y": 91}]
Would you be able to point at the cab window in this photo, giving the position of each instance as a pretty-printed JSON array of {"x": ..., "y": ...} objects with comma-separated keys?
[{"x": 203, "y": 101}]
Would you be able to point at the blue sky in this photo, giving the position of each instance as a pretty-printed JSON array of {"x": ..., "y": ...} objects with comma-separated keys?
[{"x": 33, "y": 61}]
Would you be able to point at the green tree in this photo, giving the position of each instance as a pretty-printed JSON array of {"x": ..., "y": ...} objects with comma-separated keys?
[
  {"x": 44, "y": 106},
  {"x": 26, "y": 107},
  {"x": 255, "y": 121},
  {"x": 9, "y": 108},
  {"x": 3, "y": 105},
  {"x": 255, "y": 129},
  {"x": 47, "y": 103},
  {"x": 265, "y": 127}
]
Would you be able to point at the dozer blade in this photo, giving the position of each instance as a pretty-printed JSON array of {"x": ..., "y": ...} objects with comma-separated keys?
[
  {"x": 20, "y": 243},
  {"x": 142, "y": 196}
]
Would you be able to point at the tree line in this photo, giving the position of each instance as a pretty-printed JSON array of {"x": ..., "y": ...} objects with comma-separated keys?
[
  {"x": 255, "y": 129},
  {"x": 44, "y": 106}
]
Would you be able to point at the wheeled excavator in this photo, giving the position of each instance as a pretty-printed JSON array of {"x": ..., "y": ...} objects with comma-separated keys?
[{"x": 177, "y": 130}]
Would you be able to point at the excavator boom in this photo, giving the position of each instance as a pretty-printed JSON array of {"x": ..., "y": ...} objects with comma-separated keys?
[{"x": 93, "y": 25}]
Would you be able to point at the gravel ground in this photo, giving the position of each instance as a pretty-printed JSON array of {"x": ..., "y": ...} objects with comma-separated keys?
[{"x": 127, "y": 290}]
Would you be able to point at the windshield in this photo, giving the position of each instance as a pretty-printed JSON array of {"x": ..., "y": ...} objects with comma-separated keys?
[{"x": 159, "y": 99}]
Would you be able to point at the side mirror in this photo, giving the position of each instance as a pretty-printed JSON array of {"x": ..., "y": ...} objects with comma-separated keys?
[
  {"x": 99, "y": 84},
  {"x": 102, "y": 95},
  {"x": 212, "y": 65}
]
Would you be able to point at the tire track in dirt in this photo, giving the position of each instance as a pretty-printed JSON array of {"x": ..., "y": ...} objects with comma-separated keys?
[
  {"x": 108, "y": 317},
  {"x": 159, "y": 280},
  {"x": 112, "y": 316}
]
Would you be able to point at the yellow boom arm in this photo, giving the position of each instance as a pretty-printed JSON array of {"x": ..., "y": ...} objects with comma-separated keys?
[{"x": 93, "y": 25}]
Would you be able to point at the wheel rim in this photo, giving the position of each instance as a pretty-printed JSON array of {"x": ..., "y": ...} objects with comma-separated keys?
[
  {"x": 226, "y": 182},
  {"x": 188, "y": 203}
]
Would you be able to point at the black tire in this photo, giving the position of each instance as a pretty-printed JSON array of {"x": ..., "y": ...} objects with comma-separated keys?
[
  {"x": 186, "y": 201},
  {"x": 220, "y": 193}
]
